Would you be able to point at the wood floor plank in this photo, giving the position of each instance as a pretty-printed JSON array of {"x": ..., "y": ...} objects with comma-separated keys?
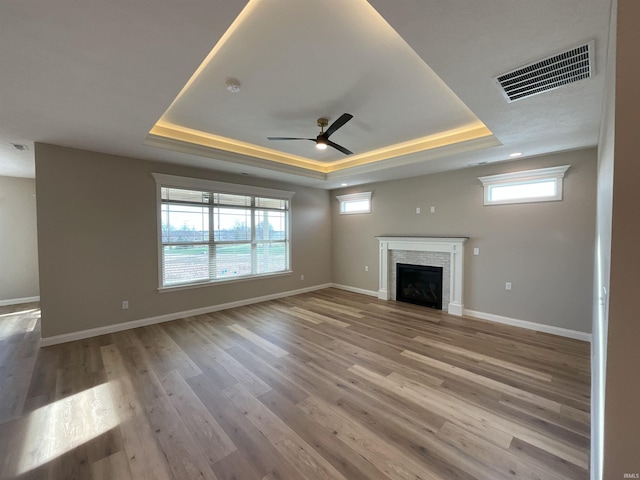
[
  {"x": 481, "y": 417},
  {"x": 139, "y": 367},
  {"x": 180, "y": 448},
  {"x": 483, "y": 381},
  {"x": 164, "y": 352},
  {"x": 243, "y": 375},
  {"x": 552, "y": 462},
  {"x": 373, "y": 396},
  {"x": 236, "y": 466},
  {"x": 412, "y": 437},
  {"x": 335, "y": 307},
  {"x": 325, "y": 384},
  {"x": 499, "y": 460},
  {"x": 352, "y": 466},
  {"x": 259, "y": 341},
  {"x": 293, "y": 448},
  {"x": 211, "y": 327},
  {"x": 113, "y": 466},
  {"x": 19, "y": 345},
  {"x": 268, "y": 374},
  {"x": 386, "y": 458},
  {"x": 480, "y": 357},
  {"x": 317, "y": 318},
  {"x": 146, "y": 459},
  {"x": 252, "y": 445},
  {"x": 210, "y": 437}
]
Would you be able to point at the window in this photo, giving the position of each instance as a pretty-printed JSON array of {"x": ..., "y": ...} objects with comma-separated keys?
[
  {"x": 212, "y": 231},
  {"x": 355, "y": 203},
  {"x": 541, "y": 185}
]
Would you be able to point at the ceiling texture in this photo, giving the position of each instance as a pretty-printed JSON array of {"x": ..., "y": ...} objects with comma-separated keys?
[{"x": 149, "y": 80}]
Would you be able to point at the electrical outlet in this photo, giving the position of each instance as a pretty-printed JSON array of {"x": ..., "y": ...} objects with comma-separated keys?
[
  {"x": 476, "y": 251},
  {"x": 417, "y": 209},
  {"x": 507, "y": 286},
  {"x": 433, "y": 209},
  {"x": 301, "y": 277},
  {"x": 366, "y": 268},
  {"x": 125, "y": 304}
]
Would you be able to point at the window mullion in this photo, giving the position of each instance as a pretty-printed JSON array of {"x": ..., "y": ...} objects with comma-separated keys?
[
  {"x": 212, "y": 244},
  {"x": 254, "y": 246}
]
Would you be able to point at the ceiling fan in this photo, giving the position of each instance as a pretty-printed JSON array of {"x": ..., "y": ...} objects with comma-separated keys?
[{"x": 322, "y": 140}]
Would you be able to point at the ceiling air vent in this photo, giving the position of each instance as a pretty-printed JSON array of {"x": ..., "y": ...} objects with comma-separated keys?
[{"x": 548, "y": 74}]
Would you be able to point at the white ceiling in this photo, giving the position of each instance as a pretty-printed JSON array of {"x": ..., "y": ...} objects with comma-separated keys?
[{"x": 99, "y": 75}]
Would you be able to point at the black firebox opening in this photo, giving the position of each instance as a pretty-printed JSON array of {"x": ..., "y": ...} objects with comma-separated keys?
[{"x": 419, "y": 284}]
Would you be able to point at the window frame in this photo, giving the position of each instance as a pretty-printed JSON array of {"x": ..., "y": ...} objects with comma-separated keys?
[
  {"x": 526, "y": 177},
  {"x": 212, "y": 186},
  {"x": 354, "y": 197}
]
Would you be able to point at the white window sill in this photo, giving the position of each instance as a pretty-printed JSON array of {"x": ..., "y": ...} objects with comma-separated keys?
[{"x": 211, "y": 283}]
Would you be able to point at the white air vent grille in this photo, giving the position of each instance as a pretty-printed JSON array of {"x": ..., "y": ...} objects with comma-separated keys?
[{"x": 548, "y": 74}]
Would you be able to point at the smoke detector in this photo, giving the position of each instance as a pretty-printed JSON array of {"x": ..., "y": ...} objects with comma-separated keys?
[{"x": 233, "y": 85}]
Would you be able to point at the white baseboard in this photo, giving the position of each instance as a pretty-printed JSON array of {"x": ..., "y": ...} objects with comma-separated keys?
[
  {"x": 118, "y": 327},
  {"x": 17, "y": 301},
  {"x": 539, "y": 327},
  {"x": 371, "y": 293},
  {"x": 455, "y": 309}
]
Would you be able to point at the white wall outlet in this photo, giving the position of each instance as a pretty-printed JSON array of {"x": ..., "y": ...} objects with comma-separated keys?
[
  {"x": 433, "y": 209},
  {"x": 507, "y": 286},
  {"x": 125, "y": 304},
  {"x": 476, "y": 251},
  {"x": 366, "y": 268},
  {"x": 301, "y": 277},
  {"x": 417, "y": 209}
]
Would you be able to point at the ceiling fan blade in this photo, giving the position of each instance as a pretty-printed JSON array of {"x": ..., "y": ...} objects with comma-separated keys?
[
  {"x": 344, "y": 118},
  {"x": 339, "y": 147},
  {"x": 290, "y": 138}
]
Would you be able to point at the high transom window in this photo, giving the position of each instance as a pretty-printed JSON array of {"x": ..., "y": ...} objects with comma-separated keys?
[
  {"x": 214, "y": 232},
  {"x": 540, "y": 185},
  {"x": 353, "y": 203}
]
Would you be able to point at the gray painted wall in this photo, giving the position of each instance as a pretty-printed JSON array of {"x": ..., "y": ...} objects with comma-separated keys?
[
  {"x": 18, "y": 239},
  {"x": 98, "y": 242},
  {"x": 545, "y": 249}
]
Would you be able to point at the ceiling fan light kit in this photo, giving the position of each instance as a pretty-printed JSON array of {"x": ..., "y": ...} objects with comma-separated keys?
[{"x": 322, "y": 140}]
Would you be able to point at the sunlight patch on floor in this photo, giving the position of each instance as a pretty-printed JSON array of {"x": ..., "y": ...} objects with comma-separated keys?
[
  {"x": 33, "y": 311},
  {"x": 65, "y": 424}
]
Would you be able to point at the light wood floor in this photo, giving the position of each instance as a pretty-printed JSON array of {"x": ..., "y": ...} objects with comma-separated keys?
[{"x": 325, "y": 385}]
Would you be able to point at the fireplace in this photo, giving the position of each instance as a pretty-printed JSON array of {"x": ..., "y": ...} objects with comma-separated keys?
[
  {"x": 403, "y": 247},
  {"x": 419, "y": 284}
]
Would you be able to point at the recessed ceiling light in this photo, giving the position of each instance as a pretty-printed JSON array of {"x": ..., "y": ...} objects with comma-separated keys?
[
  {"x": 343, "y": 184},
  {"x": 515, "y": 154}
]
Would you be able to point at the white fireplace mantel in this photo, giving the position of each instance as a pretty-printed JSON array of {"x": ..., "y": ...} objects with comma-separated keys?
[{"x": 452, "y": 245}]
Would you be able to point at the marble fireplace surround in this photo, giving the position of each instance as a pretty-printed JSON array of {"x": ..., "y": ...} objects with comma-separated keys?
[{"x": 454, "y": 246}]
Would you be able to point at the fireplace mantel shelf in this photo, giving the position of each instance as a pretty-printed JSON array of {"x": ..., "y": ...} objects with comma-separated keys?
[{"x": 422, "y": 243}]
